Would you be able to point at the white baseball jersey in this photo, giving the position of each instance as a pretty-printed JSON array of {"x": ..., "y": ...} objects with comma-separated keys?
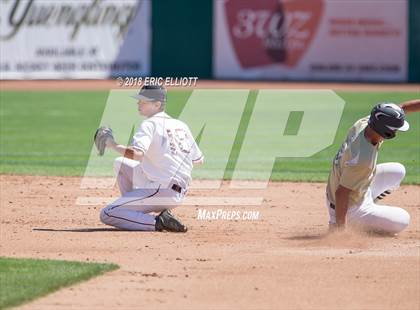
[{"x": 169, "y": 150}]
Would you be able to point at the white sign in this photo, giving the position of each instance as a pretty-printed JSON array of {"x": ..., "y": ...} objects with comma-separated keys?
[
  {"x": 50, "y": 39},
  {"x": 311, "y": 40}
]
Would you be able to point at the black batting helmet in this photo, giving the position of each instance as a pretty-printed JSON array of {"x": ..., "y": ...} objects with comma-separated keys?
[{"x": 386, "y": 119}]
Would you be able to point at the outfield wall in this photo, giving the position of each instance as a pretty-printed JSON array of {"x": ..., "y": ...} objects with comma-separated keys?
[
  {"x": 319, "y": 40},
  {"x": 414, "y": 41}
]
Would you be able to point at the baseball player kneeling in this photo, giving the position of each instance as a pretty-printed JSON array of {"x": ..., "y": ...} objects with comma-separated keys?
[
  {"x": 154, "y": 172},
  {"x": 356, "y": 182}
]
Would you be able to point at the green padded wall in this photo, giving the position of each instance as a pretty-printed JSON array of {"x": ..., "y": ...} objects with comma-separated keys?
[
  {"x": 182, "y": 38},
  {"x": 414, "y": 41}
]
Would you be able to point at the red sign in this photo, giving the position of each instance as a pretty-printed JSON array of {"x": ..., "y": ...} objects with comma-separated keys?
[{"x": 272, "y": 31}]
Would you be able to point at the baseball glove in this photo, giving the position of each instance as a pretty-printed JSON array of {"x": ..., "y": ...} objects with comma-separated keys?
[{"x": 102, "y": 134}]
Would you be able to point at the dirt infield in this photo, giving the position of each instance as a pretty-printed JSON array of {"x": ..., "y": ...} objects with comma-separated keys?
[{"x": 283, "y": 260}]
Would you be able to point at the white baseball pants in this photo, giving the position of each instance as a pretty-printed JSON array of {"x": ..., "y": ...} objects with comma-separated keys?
[
  {"x": 140, "y": 197},
  {"x": 374, "y": 217}
]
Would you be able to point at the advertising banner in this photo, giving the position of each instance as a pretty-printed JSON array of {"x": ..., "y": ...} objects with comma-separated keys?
[
  {"x": 50, "y": 39},
  {"x": 311, "y": 40}
]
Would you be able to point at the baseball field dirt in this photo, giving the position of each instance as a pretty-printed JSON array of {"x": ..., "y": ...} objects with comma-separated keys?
[{"x": 283, "y": 260}]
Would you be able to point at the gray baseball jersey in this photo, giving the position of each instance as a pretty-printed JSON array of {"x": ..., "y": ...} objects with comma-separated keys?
[{"x": 354, "y": 165}]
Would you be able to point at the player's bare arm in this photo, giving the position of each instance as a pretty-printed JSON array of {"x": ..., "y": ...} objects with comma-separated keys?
[
  {"x": 126, "y": 151},
  {"x": 411, "y": 106},
  {"x": 341, "y": 206}
]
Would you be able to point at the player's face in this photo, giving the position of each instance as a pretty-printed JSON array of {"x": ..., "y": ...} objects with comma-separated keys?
[{"x": 147, "y": 108}]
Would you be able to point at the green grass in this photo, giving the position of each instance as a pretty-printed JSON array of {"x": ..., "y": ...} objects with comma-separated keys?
[
  {"x": 22, "y": 280},
  {"x": 50, "y": 133}
]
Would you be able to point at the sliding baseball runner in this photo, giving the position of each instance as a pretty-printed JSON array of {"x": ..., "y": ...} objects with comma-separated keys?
[
  {"x": 153, "y": 173},
  {"x": 356, "y": 182}
]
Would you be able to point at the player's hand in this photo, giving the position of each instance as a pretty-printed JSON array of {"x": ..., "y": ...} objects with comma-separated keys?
[{"x": 103, "y": 137}]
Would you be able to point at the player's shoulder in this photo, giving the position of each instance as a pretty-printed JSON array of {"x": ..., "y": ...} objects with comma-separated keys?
[
  {"x": 178, "y": 123},
  {"x": 361, "y": 124},
  {"x": 357, "y": 129},
  {"x": 148, "y": 122},
  {"x": 160, "y": 116},
  {"x": 166, "y": 120},
  {"x": 146, "y": 126},
  {"x": 181, "y": 123},
  {"x": 159, "y": 119}
]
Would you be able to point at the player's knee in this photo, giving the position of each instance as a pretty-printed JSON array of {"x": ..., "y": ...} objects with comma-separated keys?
[
  {"x": 396, "y": 171},
  {"x": 400, "y": 170},
  {"x": 117, "y": 164},
  {"x": 104, "y": 216},
  {"x": 401, "y": 223}
]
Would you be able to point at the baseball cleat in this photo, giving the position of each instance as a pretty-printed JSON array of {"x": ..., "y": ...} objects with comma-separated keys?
[{"x": 167, "y": 221}]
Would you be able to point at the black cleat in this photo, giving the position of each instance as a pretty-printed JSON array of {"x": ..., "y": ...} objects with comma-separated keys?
[{"x": 166, "y": 221}]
